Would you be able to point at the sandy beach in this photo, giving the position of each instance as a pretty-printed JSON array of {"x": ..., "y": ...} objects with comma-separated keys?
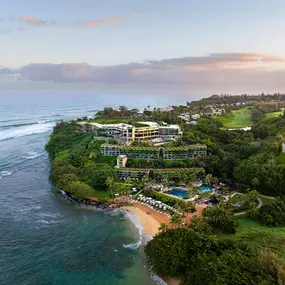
[
  {"x": 149, "y": 218},
  {"x": 151, "y": 221}
]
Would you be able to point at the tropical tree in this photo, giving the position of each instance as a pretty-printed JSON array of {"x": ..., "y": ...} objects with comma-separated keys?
[
  {"x": 221, "y": 217},
  {"x": 176, "y": 220},
  {"x": 208, "y": 179},
  {"x": 79, "y": 189},
  {"x": 255, "y": 182},
  {"x": 253, "y": 211},
  {"x": 200, "y": 225},
  {"x": 110, "y": 184},
  {"x": 163, "y": 227},
  {"x": 216, "y": 180},
  {"x": 165, "y": 181}
]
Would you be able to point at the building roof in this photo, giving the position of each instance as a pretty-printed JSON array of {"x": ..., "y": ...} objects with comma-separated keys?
[
  {"x": 170, "y": 127},
  {"x": 150, "y": 124},
  {"x": 119, "y": 125},
  {"x": 122, "y": 156}
]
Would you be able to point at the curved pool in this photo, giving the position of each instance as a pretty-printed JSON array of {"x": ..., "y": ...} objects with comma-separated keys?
[
  {"x": 177, "y": 192},
  {"x": 204, "y": 188}
]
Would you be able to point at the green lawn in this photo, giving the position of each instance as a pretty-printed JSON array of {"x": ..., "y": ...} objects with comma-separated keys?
[
  {"x": 273, "y": 114},
  {"x": 281, "y": 158},
  {"x": 266, "y": 201},
  {"x": 102, "y": 194},
  {"x": 260, "y": 236},
  {"x": 237, "y": 119},
  {"x": 103, "y": 120}
]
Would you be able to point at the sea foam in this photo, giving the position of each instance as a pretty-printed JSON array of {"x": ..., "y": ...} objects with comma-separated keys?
[
  {"x": 5, "y": 173},
  {"x": 32, "y": 155},
  {"x": 136, "y": 221},
  {"x": 26, "y": 131}
]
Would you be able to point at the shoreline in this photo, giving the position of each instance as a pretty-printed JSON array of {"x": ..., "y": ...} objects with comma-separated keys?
[{"x": 150, "y": 221}]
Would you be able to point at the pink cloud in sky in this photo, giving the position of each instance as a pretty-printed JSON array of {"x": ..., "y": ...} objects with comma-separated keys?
[
  {"x": 34, "y": 21},
  {"x": 226, "y": 71}
]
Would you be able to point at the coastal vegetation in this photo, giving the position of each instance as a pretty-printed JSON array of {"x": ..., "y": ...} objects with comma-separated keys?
[
  {"x": 204, "y": 258},
  {"x": 238, "y": 240}
]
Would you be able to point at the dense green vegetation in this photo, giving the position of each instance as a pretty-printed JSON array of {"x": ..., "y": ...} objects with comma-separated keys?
[
  {"x": 77, "y": 166},
  {"x": 221, "y": 248},
  {"x": 273, "y": 214},
  {"x": 159, "y": 163},
  {"x": 204, "y": 258}
]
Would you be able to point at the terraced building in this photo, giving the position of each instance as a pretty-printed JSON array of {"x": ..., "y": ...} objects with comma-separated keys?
[{"x": 167, "y": 153}]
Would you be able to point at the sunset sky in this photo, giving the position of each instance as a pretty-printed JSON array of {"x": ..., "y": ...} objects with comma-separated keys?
[{"x": 221, "y": 45}]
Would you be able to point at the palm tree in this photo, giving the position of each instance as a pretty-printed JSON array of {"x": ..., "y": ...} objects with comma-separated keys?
[
  {"x": 208, "y": 179},
  {"x": 110, "y": 184},
  {"x": 253, "y": 210},
  {"x": 216, "y": 180},
  {"x": 176, "y": 220},
  {"x": 255, "y": 182},
  {"x": 163, "y": 227},
  {"x": 165, "y": 181}
]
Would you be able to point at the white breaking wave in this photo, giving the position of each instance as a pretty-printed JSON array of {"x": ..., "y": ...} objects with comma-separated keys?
[
  {"x": 157, "y": 279},
  {"x": 136, "y": 221},
  {"x": 32, "y": 155},
  {"x": 48, "y": 222},
  {"x": 5, "y": 173},
  {"x": 26, "y": 131},
  {"x": 43, "y": 122}
]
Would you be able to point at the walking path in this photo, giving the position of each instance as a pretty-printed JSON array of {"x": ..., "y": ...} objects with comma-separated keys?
[
  {"x": 258, "y": 206},
  {"x": 267, "y": 197}
]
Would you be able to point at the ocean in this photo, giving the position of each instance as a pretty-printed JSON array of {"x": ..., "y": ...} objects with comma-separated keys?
[{"x": 44, "y": 239}]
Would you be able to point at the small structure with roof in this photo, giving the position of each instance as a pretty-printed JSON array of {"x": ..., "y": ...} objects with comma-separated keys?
[{"x": 122, "y": 161}]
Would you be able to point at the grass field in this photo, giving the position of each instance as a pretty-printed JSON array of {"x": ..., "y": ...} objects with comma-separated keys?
[
  {"x": 281, "y": 158},
  {"x": 102, "y": 194},
  {"x": 104, "y": 120},
  {"x": 273, "y": 114},
  {"x": 266, "y": 201},
  {"x": 260, "y": 236},
  {"x": 237, "y": 119}
]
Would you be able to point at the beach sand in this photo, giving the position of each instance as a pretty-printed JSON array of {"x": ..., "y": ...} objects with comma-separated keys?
[
  {"x": 151, "y": 221},
  {"x": 149, "y": 218}
]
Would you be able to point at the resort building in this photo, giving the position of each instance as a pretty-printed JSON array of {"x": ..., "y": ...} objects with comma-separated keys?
[
  {"x": 145, "y": 131},
  {"x": 131, "y": 173},
  {"x": 167, "y": 153},
  {"x": 122, "y": 161},
  {"x": 130, "y": 151},
  {"x": 195, "y": 116},
  {"x": 171, "y": 132},
  {"x": 141, "y": 131},
  {"x": 106, "y": 130},
  {"x": 159, "y": 174}
]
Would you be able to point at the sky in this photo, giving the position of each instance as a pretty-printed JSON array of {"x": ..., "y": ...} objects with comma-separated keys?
[{"x": 215, "y": 46}]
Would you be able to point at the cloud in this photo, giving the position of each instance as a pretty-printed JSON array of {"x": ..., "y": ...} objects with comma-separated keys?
[
  {"x": 95, "y": 23},
  {"x": 35, "y": 21},
  {"x": 218, "y": 60},
  {"x": 215, "y": 72}
]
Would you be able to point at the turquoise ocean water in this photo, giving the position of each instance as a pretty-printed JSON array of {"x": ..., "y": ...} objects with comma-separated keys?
[{"x": 44, "y": 239}]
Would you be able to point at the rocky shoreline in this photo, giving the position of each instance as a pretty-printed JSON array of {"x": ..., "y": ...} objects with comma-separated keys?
[{"x": 87, "y": 202}]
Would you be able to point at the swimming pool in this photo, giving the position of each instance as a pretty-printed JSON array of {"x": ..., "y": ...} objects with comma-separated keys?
[
  {"x": 203, "y": 188},
  {"x": 181, "y": 193},
  {"x": 177, "y": 192}
]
